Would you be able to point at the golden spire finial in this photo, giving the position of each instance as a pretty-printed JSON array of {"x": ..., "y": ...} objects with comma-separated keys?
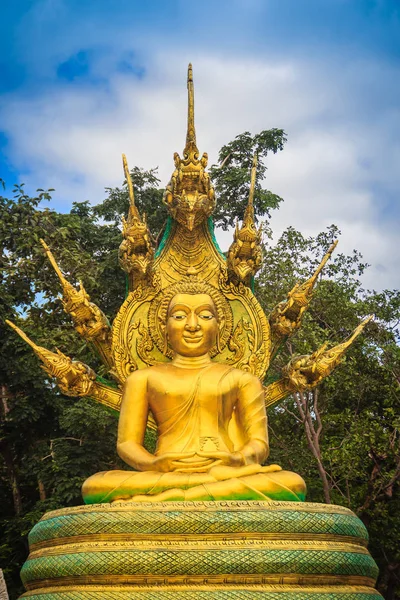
[
  {"x": 55, "y": 364},
  {"x": 133, "y": 211},
  {"x": 322, "y": 264},
  {"x": 189, "y": 195},
  {"x": 249, "y": 212},
  {"x": 305, "y": 372},
  {"x": 23, "y": 335},
  {"x": 68, "y": 288},
  {"x": 73, "y": 377},
  {"x": 191, "y": 131}
]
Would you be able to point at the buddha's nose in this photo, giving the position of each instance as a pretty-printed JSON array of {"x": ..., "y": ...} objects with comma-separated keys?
[{"x": 192, "y": 323}]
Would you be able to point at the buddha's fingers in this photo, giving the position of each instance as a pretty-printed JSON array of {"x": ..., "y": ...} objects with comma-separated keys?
[
  {"x": 222, "y": 472},
  {"x": 270, "y": 469}
]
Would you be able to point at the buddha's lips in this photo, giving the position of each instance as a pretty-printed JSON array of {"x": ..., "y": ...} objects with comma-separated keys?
[{"x": 192, "y": 338}]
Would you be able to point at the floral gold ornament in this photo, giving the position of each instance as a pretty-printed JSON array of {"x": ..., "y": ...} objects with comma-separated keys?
[{"x": 203, "y": 515}]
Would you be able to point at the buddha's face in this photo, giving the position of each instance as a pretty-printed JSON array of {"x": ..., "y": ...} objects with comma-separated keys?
[{"x": 192, "y": 325}]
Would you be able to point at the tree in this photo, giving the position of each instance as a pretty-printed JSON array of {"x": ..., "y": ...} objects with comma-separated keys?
[
  {"x": 346, "y": 431},
  {"x": 231, "y": 177},
  {"x": 48, "y": 443}
]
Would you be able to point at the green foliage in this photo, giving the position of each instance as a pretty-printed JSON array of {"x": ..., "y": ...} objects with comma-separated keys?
[
  {"x": 358, "y": 405},
  {"x": 148, "y": 199},
  {"x": 231, "y": 178},
  {"x": 48, "y": 443}
]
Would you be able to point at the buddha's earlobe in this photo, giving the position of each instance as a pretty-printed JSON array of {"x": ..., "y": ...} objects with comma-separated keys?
[
  {"x": 165, "y": 347},
  {"x": 219, "y": 349}
]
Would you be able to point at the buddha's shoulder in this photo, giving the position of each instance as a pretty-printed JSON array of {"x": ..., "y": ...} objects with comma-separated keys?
[{"x": 238, "y": 375}]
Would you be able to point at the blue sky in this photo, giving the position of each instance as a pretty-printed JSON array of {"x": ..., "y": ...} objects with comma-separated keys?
[{"x": 83, "y": 81}]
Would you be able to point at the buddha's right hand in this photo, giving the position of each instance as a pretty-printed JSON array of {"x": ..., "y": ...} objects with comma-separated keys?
[
  {"x": 166, "y": 463},
  {"x": 229, "y": 459}
]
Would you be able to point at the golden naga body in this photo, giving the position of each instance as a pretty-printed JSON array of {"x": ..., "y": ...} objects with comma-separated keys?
[{"x": 189, "y": 349}]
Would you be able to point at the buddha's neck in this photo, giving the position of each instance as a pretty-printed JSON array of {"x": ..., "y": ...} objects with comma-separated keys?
[{"x": 191, "y": 362}]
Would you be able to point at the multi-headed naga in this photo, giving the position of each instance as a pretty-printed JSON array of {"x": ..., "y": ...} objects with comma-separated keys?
[{"x": 189, "y": 348}]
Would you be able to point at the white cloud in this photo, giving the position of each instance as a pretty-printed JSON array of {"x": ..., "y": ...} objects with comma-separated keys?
[{"x": 339, "y": 150}]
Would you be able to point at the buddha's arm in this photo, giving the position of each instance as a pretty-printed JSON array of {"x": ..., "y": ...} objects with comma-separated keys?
[
  {"x": 252, "y": 418},
  {"x": 132, "y": 423}
]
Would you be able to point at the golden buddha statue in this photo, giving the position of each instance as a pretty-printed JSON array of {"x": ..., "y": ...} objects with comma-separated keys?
[
  {"x": 184, "y": 361},
  {"x": 201, "y": 454},
  {"x": 188, "y": 349}
]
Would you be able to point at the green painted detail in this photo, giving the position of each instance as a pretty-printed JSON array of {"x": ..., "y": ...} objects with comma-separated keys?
[
  {"x": 107, "y": 382},
  {"x": 210, "y": 225},
  {"x": 198, "y": 522},
  {"x": 240, "y": 561},
  {"x": 192, "y": 594},
  {"x": 281, "y": 495},
  {"x": 126, "y": 286},
  {"x": 164, "y": 237}
]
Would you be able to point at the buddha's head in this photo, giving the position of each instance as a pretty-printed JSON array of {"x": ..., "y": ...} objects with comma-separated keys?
[
  {"x": 192, "y": 324},
  {"x": 190, "y": 317}
]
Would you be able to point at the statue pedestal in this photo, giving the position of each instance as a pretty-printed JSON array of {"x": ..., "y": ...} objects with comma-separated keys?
[{"x": 203, "y": 550}]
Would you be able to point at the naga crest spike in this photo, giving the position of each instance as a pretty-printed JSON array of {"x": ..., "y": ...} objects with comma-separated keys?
[
  {"x": 133, "y": 211},
  {"x": 191, "y": 131}
]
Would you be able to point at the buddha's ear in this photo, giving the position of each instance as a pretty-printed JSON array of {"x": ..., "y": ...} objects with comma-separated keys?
[
  {"x": 165, "y": 338},
  {"x": 219, "y": 331}
]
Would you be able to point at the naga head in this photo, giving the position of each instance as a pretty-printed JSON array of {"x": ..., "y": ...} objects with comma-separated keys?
[
  {"x": 189, "y": 196},
  {"x": 136, "y": 251}
]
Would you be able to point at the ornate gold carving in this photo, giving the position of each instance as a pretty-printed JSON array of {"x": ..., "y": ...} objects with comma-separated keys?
[
  {"x": 90, "y": 322},
  {"x": 276, "y": 391},
  {"x": 317, "y": 591},
  {"x": 305, "y": 372},
  {"x": 203, "y": 543},
  {"x": 232, "y": 506},
  {"x": 73, "y": 378},
  {"x": 251, "y": 333},
  {"x": 125, "y": 332},
  {"x": 250, "y": 539},
  {"x": 193, "y": 582},
  {"x": 189, "y": 195},
  {"x": 189, "y": 253},
  {"x": 245, "y": 255},
  {"x": 136, "y": 252},
  {"x": 286, "y": 317},
  {"x": 144, "y": 343},
  {"x": 106, "y": 395}
]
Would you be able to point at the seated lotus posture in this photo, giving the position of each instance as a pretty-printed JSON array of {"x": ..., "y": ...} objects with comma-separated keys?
[{"x": 212, "y": 434}]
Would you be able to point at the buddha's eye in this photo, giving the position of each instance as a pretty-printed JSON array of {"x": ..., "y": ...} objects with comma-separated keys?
[
  {"x": 207, "y": 316},
  {"x": 178, "y": 316}
]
